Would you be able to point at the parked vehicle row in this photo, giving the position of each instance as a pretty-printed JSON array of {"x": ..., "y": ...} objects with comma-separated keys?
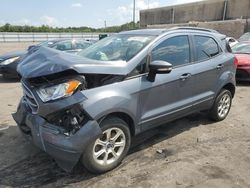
[
  {"x": 87, "y": 107},
  {"x": 245, "y": 37},
  {"x": 242, "y": 53},
  {"x": 9, "y": 62}
]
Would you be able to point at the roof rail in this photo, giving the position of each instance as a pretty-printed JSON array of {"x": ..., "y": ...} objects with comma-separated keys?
[{"x": 194, "y": 28}]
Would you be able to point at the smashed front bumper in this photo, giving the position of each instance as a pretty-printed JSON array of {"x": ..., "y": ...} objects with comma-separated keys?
[{"x": 66, "y": 150}]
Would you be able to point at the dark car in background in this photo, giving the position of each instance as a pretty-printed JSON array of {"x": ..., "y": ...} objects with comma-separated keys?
[
  {"x": 87, "y": 108},
  {"x": 242, "y": 53},
  {"x": 9, "y": 61}
]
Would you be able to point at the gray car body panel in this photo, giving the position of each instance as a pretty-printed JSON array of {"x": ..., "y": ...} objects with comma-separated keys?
[{"x": 148, "y": 104}]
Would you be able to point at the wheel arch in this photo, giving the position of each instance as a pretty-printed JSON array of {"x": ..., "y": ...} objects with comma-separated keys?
[
  {"x": 230, "y": 87},
  {"x": 125, "y": 117}
]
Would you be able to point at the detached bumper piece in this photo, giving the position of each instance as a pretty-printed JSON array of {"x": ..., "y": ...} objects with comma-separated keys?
[{"x": 65, "y": 149}]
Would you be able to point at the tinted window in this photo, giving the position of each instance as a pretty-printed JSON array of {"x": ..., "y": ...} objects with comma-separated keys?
[
  {"x": 206, "y": 47},
  {"x": 174, "y": 50},
  {"x": 81, "y": 45},
  {"x": 65, "y": 45}
]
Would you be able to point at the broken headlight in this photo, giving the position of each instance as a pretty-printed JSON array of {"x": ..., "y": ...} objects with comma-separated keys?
[{"x": 58, "y": 91}]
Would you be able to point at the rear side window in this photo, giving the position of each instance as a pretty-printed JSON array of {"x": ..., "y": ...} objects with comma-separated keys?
[
  {"x": 206, "y": 47},
  {"x": 175, "y": 50},
  {"x": 81, "y": 45},
  {"x": 65, "y": 45}
]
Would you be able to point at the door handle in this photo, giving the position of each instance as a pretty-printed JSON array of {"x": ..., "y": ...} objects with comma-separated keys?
[
  {"x": 220, "y": 66},
  {"x": 185, "y": 76}
]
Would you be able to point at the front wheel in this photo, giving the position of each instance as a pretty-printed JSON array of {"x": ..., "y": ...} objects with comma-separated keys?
[
  {"x": 222, "y": 106},
  {"x": 106, "y": 152}
]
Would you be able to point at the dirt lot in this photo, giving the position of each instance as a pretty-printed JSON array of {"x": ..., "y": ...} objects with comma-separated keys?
[{"x": 196, "y": 152}]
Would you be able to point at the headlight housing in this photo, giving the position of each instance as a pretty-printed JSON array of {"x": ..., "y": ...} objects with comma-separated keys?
[
  {"x": 58, "y": 91},
  {"x": 10, "y": 60}
]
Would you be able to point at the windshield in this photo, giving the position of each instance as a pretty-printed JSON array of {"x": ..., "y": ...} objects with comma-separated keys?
[
  {"x": 241, "y": 48},
  {"x": 245, "y": 37},
  {"x": 117, "y": 47},
  {"x": 46, "y": 43}
]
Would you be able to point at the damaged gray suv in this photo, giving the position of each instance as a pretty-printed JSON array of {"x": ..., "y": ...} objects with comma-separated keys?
[{"x": 87, "y": 107}]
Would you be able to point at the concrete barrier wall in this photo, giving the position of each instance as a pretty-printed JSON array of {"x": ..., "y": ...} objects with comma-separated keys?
[
  {"x": 210, "y": 10},
  {"x": 206, "y": 11},
  {"x": 238, "y": 9},
  {"x": 233, "y": 28}
]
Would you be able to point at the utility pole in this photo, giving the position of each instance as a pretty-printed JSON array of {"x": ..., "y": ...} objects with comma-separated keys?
[{"x": 134, "y": 14}]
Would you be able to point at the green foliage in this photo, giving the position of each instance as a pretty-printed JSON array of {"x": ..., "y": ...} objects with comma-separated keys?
[{"x": 44, "y": 28}]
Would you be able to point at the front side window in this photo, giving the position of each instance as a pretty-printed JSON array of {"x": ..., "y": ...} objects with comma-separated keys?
[
  {"x": 175, "y": 50},
  {"x": 119, "y": 47},
  {"x": 206, "y": 47}
]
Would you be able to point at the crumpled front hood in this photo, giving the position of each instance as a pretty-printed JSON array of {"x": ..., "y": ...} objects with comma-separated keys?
[{"x": 46, "y": 61}]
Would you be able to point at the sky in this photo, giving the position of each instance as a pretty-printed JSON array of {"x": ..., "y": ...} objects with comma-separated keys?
[{"x": 75, "y": 13}]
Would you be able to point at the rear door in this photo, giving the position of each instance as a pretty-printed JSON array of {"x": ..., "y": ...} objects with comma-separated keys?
[{"x": 208, "y": 65}]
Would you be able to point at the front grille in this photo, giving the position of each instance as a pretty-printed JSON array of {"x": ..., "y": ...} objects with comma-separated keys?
[{"x": 29, "y": 98}]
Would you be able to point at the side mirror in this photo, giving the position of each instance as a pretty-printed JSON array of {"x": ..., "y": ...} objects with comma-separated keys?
[{"x": 158, "y": 67}]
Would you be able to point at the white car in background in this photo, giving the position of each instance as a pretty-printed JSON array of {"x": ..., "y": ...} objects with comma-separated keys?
[{"x": 231, "y": 41}]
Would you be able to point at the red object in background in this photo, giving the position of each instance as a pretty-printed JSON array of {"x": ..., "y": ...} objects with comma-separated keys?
[{"x": 243, "y": 67}]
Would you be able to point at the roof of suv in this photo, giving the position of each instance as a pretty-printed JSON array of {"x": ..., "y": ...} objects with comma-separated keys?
[{"x": 157, "y": 32}]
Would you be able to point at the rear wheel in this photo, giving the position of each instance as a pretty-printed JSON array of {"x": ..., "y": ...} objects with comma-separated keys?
[
  {"x": 106, "y": 152},
  {"x": 222, "y": 106}
]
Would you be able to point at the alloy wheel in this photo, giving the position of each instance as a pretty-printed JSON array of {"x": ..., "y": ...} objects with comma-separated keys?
[
  {"x": 224, "y": 105},
  {"x": 109, "y": 147}
]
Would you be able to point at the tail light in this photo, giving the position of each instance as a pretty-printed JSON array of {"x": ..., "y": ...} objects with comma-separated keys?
[{"x": 235, "y": 61}]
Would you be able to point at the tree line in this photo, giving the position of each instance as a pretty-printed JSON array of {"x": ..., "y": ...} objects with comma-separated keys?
[{"x": 45, "y": 28}]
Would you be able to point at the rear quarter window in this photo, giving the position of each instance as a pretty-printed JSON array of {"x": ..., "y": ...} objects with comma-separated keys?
[{"x": 206, "y": 47}]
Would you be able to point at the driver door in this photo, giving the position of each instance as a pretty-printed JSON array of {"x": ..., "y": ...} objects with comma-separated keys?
[{"x": 170, "y": 95}]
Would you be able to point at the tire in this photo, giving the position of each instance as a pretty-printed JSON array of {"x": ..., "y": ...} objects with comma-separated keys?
[
  {"x": 105, "y": 146},
  {"x": 221, "y": 106}
]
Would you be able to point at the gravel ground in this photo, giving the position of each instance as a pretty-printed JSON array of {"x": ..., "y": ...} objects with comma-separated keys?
[
  {"x": 195, "y": 152},
  {"x": 14, "y": 46}
]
